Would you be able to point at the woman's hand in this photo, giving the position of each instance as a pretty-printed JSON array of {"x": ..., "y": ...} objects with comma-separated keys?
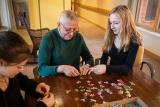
[
  {"x": 48, "y": 100},
  {"x": 98, "y": 69},
  {"x": 43, "y": 88},
  {"x": 84, "y": 69}
]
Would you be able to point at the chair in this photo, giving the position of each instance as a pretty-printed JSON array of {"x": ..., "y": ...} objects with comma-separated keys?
[
  {"x": 35, "y": 72},
  {"x": 139, "y": 63},
  {"x": 35, "y": 35}
]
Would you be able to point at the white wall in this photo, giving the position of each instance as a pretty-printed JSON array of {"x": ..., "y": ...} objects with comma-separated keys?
[
  {"x": 151, "y": 40},
  {"x": 3, "y": 14},
  {"x": 0, "y": 12}
]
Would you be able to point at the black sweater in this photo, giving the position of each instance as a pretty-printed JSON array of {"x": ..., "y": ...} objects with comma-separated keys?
[
  {"x": 12, "y": 96},
  {"x": 121, "y": 62}
]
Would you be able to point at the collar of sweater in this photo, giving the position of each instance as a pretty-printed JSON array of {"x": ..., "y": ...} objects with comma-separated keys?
[{"x": 118, "y": 41}]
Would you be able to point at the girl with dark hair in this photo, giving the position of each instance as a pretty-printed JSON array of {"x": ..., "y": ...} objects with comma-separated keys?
[{"x": 14, "y": 53}]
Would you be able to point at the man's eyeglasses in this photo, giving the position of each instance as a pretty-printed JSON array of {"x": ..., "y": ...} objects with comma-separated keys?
[{"x": 69, "y": 30}]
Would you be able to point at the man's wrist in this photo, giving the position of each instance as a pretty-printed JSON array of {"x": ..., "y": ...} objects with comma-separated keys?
[{"x": 60, "y": 69}]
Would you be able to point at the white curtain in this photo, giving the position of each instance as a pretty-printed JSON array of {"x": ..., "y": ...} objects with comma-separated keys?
[
  {"x": 11, "y": 15},
  {"x": 6, "y": 14},
  {"x": 3, "y": 14}
]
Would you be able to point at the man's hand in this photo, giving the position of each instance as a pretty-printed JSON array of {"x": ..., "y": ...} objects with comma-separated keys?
[
  {"x": 84, "y": 69},
  {"x": 68, "y": 70}
]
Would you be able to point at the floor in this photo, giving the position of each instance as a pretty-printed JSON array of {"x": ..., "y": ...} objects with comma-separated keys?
[{"x": 93, "y": 36}]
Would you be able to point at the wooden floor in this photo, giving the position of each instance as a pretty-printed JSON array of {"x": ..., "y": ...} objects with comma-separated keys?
[{"x": 93, "y": 36}]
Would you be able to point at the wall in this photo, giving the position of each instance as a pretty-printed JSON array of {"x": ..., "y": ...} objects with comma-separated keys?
[
  {"x": 0, "y": 12},
  {"x": 49, "y": 12},
  {"x": 94, "y": 17},
  {"x": 3, "y": 14},
  {"x": 33, "y": 14},
  {"x": 105, "y": 4},
  {"x": 0, "y": 20},
  {"x": 67, "y": 4},
  {"x": 151, "y": 40}
]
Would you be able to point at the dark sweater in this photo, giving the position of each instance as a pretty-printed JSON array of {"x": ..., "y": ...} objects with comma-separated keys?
[
  {"x": 55, "y": 51},
  {"x": 12, "y": 96},
  {"x": 121, "y": 62}
]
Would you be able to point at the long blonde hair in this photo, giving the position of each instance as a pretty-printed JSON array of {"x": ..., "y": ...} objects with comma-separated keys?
[{"x": 128, "y": 29}]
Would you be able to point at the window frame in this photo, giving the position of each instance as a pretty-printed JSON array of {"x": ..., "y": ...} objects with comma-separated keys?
[{"x": 156, "y": 22}]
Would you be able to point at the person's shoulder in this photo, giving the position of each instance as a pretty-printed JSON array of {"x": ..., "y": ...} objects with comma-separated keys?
[
  {"x": 40, "y": 104},
  {"x": 134, "y": 40},
  {"x": 19, "y": 76},
  {"x": 79, "y": 36},
  {"x": 50, "y": 34}
]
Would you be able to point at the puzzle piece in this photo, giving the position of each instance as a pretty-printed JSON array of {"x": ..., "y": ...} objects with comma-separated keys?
[
  {"x": 78, "y": 82},
  {"x": 68, "y": 91}
]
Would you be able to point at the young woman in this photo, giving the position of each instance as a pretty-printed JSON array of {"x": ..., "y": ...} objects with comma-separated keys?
[
  {"x": 13, "y": 56},
  {"x": 121, "y": 43}
]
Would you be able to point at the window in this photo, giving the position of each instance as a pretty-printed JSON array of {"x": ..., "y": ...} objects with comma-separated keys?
[
  {"x": 159, "y": 26},
  {"x": 148, "y": 14}
]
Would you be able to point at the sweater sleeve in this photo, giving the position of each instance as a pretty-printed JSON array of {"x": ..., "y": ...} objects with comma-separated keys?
[
  {"x": 40, "y": 104},
  {"x": 127, "y": 66},
  {"x": 104, "y": 58},
  {"x": 44, "y": 56},
  {"x": 86, "y": 55},
  {"x": 28, "y": 85}
]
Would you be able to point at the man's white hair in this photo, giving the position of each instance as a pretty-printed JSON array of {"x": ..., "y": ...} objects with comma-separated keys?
[{"x": 67, "y": 15}]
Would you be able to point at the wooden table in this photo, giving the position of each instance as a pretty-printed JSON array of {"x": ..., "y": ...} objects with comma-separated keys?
[{"x": 64, "y": 89}]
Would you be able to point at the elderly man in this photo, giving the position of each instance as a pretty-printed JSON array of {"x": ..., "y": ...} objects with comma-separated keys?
[{"x": 61, "y": 48}]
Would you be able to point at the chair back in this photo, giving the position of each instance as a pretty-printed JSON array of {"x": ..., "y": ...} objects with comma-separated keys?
[
  {"x": 35, "y": 34},
  {"x": 139, "y": 57}
]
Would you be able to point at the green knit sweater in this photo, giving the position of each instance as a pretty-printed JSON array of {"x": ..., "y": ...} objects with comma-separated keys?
[{"x": 55, "y": 51}]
